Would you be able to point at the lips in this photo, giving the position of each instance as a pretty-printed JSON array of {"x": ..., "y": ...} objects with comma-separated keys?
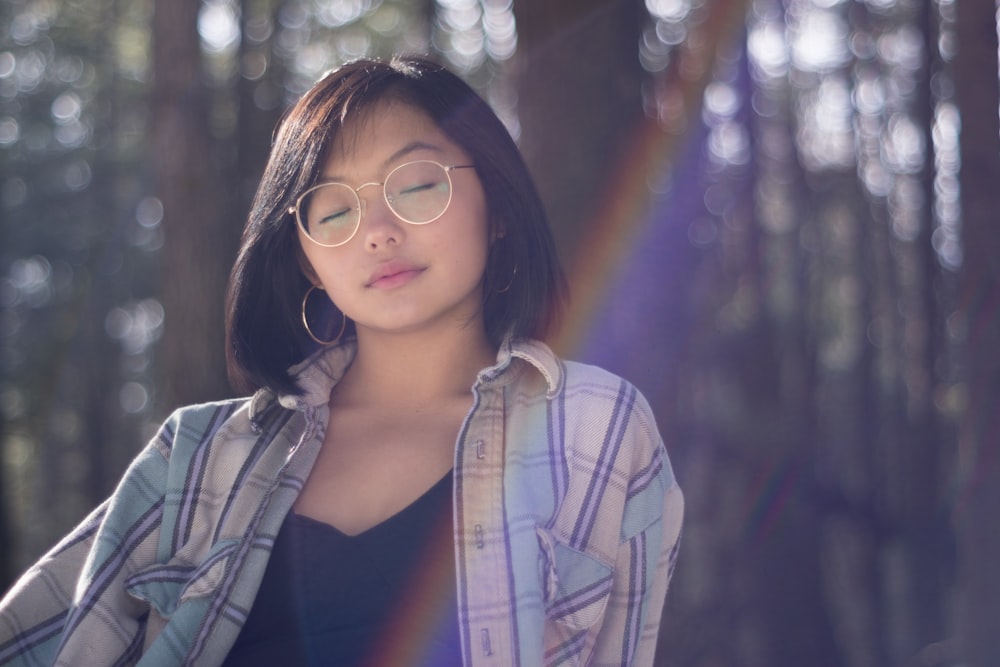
[{"x": 393, "y": 273}]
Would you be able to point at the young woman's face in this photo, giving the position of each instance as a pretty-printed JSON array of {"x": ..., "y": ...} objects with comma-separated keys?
[{"x": 392, "y": 276}]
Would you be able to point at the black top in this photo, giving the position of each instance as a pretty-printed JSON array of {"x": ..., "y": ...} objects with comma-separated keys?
[{"x": 383, "y": 597}]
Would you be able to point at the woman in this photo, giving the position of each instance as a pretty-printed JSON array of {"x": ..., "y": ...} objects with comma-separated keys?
[{"x": 365, "y": 506}]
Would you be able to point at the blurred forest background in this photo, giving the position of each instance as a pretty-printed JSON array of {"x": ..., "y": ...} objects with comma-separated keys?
[{"x": 779, "y": 218}]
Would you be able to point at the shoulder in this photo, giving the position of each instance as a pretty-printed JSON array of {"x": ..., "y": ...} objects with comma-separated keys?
[
  {"x": 576, "y": 386},
  {"x": 607, "y": 406},
  {"x": 588, "y": 388},
  {"x": 579, "y": 376},
  {"x": 201, "y": 418},
  {"x": 560, "y": 375},
  {"x": 190, "y": 427},
  {"x": 592, "y": 404},
  {"x": 207, "y": 413}
]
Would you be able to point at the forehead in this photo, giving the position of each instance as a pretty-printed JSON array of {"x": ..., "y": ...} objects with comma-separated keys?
[{"x": 381, "y": 130}]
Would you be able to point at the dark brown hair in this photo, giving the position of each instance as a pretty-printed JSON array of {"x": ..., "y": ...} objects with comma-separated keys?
[{"x": 264, "y": 332}]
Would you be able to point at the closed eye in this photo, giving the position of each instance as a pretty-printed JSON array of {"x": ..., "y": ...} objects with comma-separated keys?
[{"x": 335, "y": 217}]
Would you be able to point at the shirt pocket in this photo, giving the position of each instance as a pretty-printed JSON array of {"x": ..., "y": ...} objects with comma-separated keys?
[
  {"x": 165, "y": 586},
  {"x": 576, "y": 586}
]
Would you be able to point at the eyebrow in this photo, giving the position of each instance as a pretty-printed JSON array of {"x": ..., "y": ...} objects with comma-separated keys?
[{"x": 411, "y": 147}]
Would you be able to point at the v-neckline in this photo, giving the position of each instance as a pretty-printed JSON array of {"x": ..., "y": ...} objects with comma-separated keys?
[{"x": 318, "y": 524}]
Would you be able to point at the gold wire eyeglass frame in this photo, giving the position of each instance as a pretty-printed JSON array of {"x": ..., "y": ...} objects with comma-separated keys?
[{"x": 296, "y": 210}]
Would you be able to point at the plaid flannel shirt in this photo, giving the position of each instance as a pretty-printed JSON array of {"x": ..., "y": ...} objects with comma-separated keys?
[{"x": 566, "y": 521}]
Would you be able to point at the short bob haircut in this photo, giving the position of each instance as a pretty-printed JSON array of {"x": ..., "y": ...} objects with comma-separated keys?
[{"x": 264, "y": 331}]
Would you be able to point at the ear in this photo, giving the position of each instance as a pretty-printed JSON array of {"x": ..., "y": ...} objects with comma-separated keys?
[{"x": 498, "y": 230}]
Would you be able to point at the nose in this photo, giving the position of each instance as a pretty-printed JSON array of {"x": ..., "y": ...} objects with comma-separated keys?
[{"x": 380, "y": 226}]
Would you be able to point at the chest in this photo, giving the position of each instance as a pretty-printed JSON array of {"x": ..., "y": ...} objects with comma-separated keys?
[{"x": 373, "y": 463}]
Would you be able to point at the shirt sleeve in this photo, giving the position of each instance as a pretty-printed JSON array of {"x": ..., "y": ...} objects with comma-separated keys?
[
  {"x": 72, "y": 602},
  {"x": 664, "y": 552},
  {"x": 644, "y": 564}
]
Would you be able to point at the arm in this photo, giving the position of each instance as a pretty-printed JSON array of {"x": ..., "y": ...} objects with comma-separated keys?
[
  {"x": 72, "y": 602},
  {"x": 34, "y": 610},
  {"x": 662, "y": 552},
  {"x": 644, "y": 564}
]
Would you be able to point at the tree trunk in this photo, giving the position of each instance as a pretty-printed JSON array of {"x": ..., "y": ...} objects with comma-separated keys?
[
  {"x": 197, "y": 250},
  {"x": 927, "y": 536},
  {"x": 6, "y": 529},
  {"x": 979, "y": 437},
  {"x": 579, "y": 94}
]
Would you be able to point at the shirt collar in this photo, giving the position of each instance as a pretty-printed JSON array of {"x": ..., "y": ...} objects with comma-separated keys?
[
  {"x": 535, "y": 354},
  {"x": 317, "y": 374}
]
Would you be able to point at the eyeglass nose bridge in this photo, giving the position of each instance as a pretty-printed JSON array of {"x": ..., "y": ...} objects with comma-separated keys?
[
  {"x": 363, "y": 204},
  {"x": 361, "y": 187}
]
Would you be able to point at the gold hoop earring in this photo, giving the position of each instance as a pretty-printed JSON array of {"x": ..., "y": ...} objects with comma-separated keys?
[
  {"x": 305, "y": 320},
  {"x": 510, "y": 283}
]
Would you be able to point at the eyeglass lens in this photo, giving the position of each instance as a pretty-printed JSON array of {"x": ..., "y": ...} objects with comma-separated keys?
[{"x": 417, "y": 192}]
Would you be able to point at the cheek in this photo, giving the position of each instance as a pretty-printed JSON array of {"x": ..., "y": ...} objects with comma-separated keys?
[
  {"x": 323, "y": 267},
  {"x": 306, "y": 261},
  {"x": 474, "y": 249},
  {"x": 476, "y": 228}
]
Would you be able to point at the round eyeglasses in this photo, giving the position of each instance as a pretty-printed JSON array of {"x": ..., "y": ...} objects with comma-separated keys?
[{"x": 416, "y": 192}]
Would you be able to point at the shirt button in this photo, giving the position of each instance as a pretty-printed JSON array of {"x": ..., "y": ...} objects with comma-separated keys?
[
  {"x": 480, "y": 449},
  {"x": 484, "y": 634},
  {"x": 480, "y": 542}
]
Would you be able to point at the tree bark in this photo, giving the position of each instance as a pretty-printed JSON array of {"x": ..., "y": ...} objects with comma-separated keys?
[
  {"x": 197, "y": 250},
  {"x": 579, "y": 94}
]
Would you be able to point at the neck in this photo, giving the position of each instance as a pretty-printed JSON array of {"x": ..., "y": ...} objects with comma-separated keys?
[{"x": 415, "y": 370}]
